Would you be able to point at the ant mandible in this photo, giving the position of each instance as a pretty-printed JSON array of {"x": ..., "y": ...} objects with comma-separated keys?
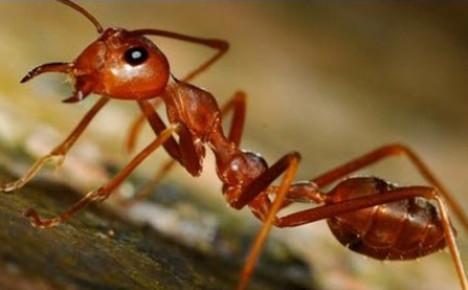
[{"x": 369, "y": 215}]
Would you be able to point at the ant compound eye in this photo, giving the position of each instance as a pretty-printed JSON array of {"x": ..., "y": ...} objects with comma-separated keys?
[{"x": 136, "y": 55}]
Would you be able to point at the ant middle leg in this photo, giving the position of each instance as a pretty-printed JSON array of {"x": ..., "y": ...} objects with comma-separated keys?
[
  {"x": 136, "y": 127},
  {"x": 59, "y": 152},
  {"x": 286, "y": 166},
  {"x": 385, "y": 152},
  {"x": 105, "y": 191}
]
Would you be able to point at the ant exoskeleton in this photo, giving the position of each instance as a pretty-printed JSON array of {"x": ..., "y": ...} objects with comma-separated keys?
[{"x": 369, "y": 215}]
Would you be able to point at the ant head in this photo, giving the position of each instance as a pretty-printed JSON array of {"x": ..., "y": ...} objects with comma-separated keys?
[{"x": 120, "y": 64}]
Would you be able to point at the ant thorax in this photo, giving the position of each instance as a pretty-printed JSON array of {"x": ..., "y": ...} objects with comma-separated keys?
[
  {"x": 198, "y": 110},
  {"x": 195, "y": 108}
]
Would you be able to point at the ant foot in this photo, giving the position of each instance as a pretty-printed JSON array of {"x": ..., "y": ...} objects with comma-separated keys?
[
  {"x": 38, "y": 222},
  {"x": 56, "y": 159},
  {"x": 12, "y": 186}
]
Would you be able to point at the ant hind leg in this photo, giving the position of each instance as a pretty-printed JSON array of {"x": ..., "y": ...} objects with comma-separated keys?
[
  {"x": 385, "y": 152},
  {"x": 334, "y": 209}
]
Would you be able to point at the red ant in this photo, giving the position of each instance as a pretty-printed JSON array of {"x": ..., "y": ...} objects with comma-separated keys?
[{"x": 369, "y": 215}]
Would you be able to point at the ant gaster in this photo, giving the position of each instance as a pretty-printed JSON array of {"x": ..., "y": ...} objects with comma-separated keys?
[{"x": 369, "y": 215}]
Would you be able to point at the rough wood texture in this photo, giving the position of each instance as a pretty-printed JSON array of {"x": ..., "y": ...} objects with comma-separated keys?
[{"x": 97, "y": 250}]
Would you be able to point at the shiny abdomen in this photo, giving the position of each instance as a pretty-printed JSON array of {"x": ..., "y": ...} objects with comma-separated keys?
[{"x": 400, "y": 230}]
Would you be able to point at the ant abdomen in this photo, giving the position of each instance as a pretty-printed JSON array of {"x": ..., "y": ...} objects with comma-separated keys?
[{"x": 399, "y": 230}]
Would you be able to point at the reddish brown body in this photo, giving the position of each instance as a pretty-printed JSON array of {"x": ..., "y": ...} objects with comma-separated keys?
[
  {"x": 368, "y": 215},
  {"x": 400, "y": 230}
]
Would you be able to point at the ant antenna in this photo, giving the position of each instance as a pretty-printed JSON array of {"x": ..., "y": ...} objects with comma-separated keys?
[{"x": 84, "y": 12}]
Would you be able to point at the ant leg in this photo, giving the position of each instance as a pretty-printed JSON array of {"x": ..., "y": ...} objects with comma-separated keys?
[
  {"x": 287, "y": 165},
  {"x": 103, "y": 192},
  {"x": 136, "y": 127},
  {"x": 453, "y": 248},
  {"x": 387, "y": 151},
  {"x": 236, "y": 104},
  {"x": 183, "y": 151},
  {"x": 59, "y": 152},
  {"x": 158, "y": 126},
  {"x": 339, "y": 208},
  {"x": 133, "y": 133},
  {"x": 222, "y": 47}
]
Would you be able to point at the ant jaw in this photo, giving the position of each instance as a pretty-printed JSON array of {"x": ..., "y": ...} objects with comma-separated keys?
[
  {"x": 83, "y": 88},
  {"x": 59, "y": 67},
  {"x": 76, "y": 97}
]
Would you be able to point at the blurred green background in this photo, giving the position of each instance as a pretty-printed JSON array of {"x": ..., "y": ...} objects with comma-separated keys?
[{"x": 330, "y": 80}]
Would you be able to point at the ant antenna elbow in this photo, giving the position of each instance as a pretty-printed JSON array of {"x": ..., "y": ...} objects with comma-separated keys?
[{"x": 83, "y": 12}]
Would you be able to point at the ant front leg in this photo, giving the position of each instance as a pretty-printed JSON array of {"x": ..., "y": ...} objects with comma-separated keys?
[
  {"x": 59, "y": 152},
  {"x": 238, "y": 105},
  {"x": 103, "y": 192},
  {"x": 136, "y": 127},
  {"x": 185, "y": 151},
  {"x": 158, "y": 126},
  {"x": 385, "y": 152}
]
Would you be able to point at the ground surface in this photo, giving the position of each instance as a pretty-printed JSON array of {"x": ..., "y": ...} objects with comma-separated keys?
[{"x": 97, "y": 250}]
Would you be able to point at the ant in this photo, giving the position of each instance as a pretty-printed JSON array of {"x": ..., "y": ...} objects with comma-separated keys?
[{"x": 367, "y": 214}]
